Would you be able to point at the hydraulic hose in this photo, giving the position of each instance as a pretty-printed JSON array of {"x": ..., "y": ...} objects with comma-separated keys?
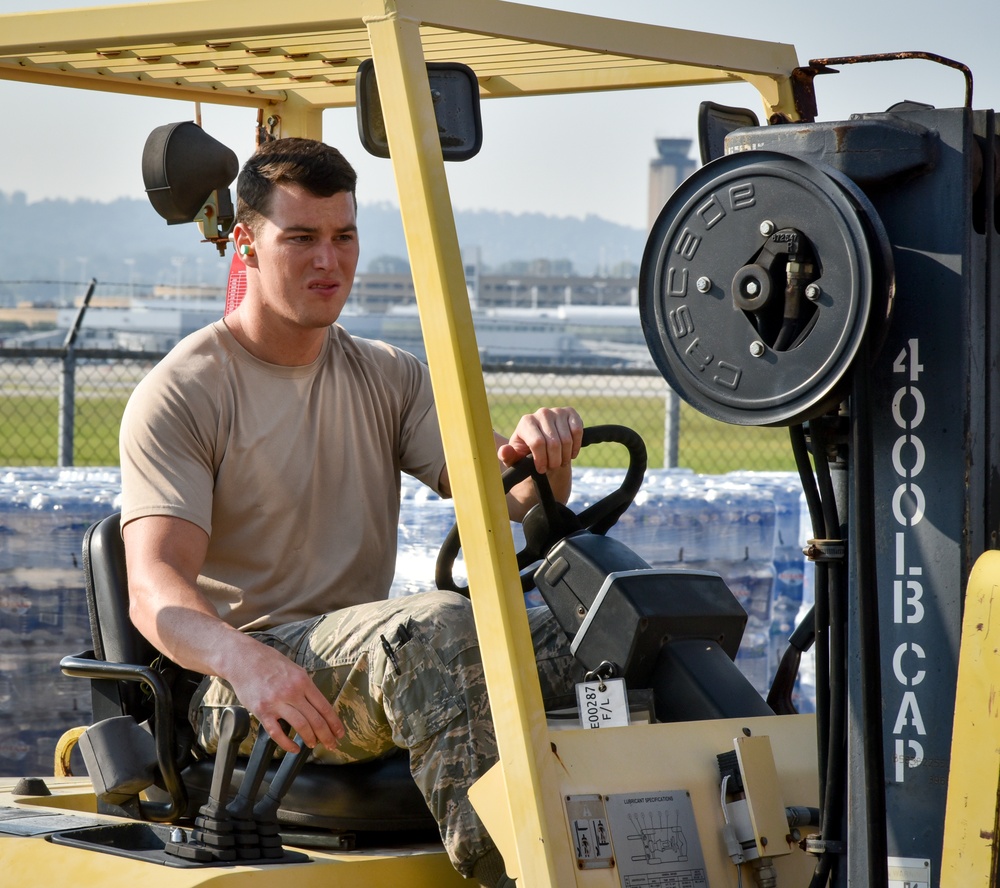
[
  {"x": 800, "y": 450},
  {"x": 831, "y": 651},
  {"x": 867, "y": 625},
  {"x": 779, "y": 696},
  {"x": 832, "y": 800}
]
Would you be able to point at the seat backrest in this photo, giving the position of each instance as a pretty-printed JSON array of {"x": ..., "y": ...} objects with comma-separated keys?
[
  {"x": 106, "y": 575},
  {"x": 115, "y": 638}
]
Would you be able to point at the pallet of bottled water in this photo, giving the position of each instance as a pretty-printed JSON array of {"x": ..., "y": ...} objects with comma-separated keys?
[
  {"x": 43, "y": 609},
  {"x": 748, "y": 527}
]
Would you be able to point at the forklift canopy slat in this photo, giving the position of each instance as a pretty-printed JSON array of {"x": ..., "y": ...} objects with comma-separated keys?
[{"x": 308, "y": 50}]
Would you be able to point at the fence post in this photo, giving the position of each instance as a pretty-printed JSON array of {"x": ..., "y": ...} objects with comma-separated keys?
[
  {"x": 66, "y": 407},
  {"x": 671, "y": 429},
  {"x": 67, "y": 392}
]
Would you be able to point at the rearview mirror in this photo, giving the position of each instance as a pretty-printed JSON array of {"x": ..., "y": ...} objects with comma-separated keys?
[{"x": 455, "y": 93}]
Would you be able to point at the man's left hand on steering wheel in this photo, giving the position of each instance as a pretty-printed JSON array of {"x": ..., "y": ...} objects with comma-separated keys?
[
  {"x": 550, "y": 521},
  {"x": 552, "y": 437}
]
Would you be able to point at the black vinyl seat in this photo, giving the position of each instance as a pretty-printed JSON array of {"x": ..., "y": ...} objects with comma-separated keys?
[{"x": 129, "y": 677}]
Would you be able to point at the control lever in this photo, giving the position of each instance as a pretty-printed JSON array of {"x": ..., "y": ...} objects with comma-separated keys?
[
  {"x": 213, "y": 825},
  {"x": 248, "y": 844},
  {"x": 265, "y": 812},
  {"x": 213, "y": 835}
]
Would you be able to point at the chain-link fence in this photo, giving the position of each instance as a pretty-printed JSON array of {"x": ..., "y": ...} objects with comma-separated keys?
[
  {"x": 64, "y": 406},
  {"x": 61, "y": 405}
]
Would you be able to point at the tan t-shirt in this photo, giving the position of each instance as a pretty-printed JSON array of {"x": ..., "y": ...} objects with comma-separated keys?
[{"x": 292, "y": 471}]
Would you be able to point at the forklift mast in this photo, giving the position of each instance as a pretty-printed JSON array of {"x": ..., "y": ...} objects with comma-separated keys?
[{"x": 869, "y": 244}]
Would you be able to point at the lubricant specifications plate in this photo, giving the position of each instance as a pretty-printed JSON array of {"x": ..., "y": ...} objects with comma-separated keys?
[{"x": 656, "y": 840}]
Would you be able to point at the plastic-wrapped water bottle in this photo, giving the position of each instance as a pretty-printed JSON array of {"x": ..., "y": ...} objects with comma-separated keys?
[
  {"x": 636, "y": 527},
  {"x": 424, "y": 521},
  {"x": 659, "y": 524},
  {"x": 788, "y": 565},
  {"x": 720, "y": 520},
  {"x": 8, "y": 532},
  {"x": 69, "y": 512},
  {"x": 755, "y": 515},
  {"x": 695, "y": 524},
  {"x": 787, "y": 601},
  {"x": 752, "y": 657}
]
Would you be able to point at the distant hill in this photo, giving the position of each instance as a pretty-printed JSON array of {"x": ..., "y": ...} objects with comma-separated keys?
[
  {"x": 590, "y": 244},
  {"x": 75, "y": 240}
]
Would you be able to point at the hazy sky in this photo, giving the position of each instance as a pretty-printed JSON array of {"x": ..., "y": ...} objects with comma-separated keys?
[{"x": 572, "y": 155}]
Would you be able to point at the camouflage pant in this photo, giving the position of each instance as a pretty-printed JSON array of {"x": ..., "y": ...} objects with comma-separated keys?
[{"x": 436, "y": 707}]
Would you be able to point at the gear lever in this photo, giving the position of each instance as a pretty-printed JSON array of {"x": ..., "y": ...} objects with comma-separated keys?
[
  {"x": 240, "y": 809},
  {"x": 265, "y": 812},
  {"x": 212, "y": 837}
]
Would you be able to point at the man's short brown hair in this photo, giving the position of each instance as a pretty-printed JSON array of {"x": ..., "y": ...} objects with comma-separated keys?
[{"x": 317, "y": 167}]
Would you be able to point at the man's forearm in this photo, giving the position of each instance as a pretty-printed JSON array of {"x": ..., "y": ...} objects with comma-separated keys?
[
  {"x": 184, "y": 627},
  {"x": 521, "y": 498}
]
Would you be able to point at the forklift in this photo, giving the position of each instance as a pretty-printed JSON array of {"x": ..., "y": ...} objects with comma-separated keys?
[{"x": 803, "y": 277}]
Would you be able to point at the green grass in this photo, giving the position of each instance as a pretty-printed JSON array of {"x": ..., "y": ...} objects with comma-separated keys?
[
  {"x": 706, "y": 446},
  {"x": 29, "y": 431},
  {"x": 98, "y": 421},
  {"x": 711, "y": 447}
]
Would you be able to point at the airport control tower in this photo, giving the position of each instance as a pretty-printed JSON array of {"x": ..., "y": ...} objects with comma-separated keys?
[{"x": 667, "y": 171}]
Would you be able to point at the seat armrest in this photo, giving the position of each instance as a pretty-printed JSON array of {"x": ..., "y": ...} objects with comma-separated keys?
[{"x": 86, "y": 665}]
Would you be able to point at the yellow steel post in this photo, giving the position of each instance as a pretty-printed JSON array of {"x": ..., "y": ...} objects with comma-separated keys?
[
  {"x": 481, "y": 512},
  {"x": 297, "y": 118},
  {"x": 775, "y": 93},
  {"x": 971, "y": 846}
]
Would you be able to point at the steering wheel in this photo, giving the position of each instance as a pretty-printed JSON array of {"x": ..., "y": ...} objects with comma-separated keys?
[{"x": 549, "y": 521}]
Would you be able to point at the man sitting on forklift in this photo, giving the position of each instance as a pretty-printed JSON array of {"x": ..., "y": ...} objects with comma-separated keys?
[{"x": 261, "y": 466}]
